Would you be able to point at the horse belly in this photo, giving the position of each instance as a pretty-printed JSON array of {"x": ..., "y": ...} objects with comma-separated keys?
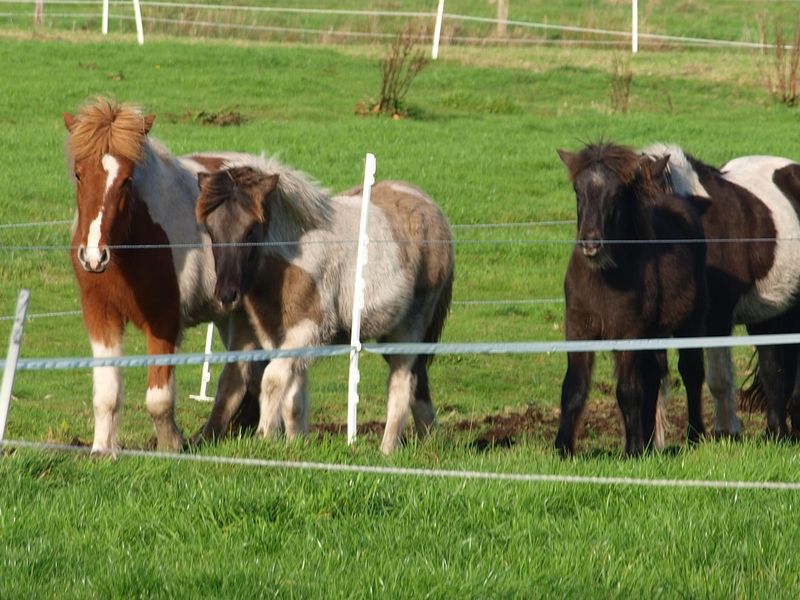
[{"x": 778, "y": 289}]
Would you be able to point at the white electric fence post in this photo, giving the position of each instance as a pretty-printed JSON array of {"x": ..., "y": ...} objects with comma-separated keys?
[
  {"x": 635, "y": 27},
  {"x": 206, "y": 376},
  {"x": 358, "y": 301},
  {"x": 14, "y": 343},
  {"x": 105, "y": 17},
  {"x": 137, "y": 12},
  {"x": 437, "y": 30}
]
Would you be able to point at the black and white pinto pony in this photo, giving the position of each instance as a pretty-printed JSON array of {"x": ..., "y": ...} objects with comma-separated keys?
[
  {"x": 751, "y": 205},
  {"x": 615, "y": 289},
  {"x": 297, "y": 289}
]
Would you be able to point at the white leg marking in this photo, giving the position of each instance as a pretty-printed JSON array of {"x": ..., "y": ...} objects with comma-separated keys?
[
  {"x": 401, "y": 394},
  {"x": 106, "y": 399},
  {"x": 159, "y": 400},
  {"x": 274, "y": 385},
  {"x": 284, "y": 389},
  {"x": 719, "y": 376}
]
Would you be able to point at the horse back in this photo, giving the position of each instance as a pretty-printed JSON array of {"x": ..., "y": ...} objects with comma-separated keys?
[{"x": 421, "y": 230}]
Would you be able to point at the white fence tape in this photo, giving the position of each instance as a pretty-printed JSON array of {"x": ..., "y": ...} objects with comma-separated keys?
[{"x": 143, "y": 360}]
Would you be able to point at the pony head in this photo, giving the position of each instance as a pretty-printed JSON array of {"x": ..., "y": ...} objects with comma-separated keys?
[
  {"x": 234, "y": 209},
  {"x": 106, "y": 140},
  {"x": 613, "y": 187}
]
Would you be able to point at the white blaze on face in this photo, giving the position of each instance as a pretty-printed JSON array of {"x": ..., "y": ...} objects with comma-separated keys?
[{"x": 93, "y": 254}]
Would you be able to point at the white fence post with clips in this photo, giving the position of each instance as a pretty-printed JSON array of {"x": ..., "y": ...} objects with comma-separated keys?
[
  {"x": 358, "y": 301},
  {"x": 14, "y": 343},
  {"x": 137, "y": 14},
  {"x": 437, "y": 30},
  {"x": 205, "y": 378}
]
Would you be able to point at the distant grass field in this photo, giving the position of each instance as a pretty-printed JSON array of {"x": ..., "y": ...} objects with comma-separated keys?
[{"x": 486, "y": 123}]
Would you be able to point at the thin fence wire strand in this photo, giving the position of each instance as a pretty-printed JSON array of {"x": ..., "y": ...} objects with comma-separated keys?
[
  {"x": 562, "y": 241},
  {"x": 462, "y": 475}
]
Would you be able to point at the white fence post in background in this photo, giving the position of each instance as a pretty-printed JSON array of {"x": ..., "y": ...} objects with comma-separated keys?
[
  {"x": 105, "y": 17},
  {"x": 437, "y": 30},
  {"x": 635, "y": 27},
  {"x": 137, "y": 13},
  {"x": 14, "y": 343},
  {"x": 358, "y": 301},
  {"x": 206, "y": 376}
]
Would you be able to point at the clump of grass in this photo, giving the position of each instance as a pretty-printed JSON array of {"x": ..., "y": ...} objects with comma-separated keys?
[
  {"x": 224, "y": 117},
  {"x": 400, "y": 67},
  {"x": 621, "y": 80},
  {"x": 780, "y": 69}
]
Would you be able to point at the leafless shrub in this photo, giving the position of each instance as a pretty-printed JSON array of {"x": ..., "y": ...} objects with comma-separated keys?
[
  {"x": 781, "y": 65},
  {"x": 621, "y": 79},
  {"x": 399, "y": 67}
]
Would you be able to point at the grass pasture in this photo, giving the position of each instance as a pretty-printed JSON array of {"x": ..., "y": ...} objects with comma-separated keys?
[{"x": 486, "y": 123}]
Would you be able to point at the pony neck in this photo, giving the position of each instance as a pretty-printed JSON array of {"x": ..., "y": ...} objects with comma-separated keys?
[{"x": 297, "y": 205}]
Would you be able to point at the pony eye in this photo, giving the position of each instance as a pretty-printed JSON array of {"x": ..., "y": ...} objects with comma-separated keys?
[{"x": 77, "y": 177}]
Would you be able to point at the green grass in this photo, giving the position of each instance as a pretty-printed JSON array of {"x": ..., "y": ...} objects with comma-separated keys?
[{"x": 482, "y": 142}]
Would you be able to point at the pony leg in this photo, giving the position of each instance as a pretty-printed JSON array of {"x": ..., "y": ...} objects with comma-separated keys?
[
  {"x": 106, "y": 398},
  {"x": 574, "y": 391},
  {"x": 793, "y": 405},
  {"x": 160, "y": 398},
  {"x": 400, "y": 398},
  {"x": 295, "y": 405},
  {"x": 422, "y": 405},
  {"x": 284, "y": 399},
  {"x": 770, "y": 363},
  {"x": 719, "y": 374},
  {"x": 631, "y": 386},
  {"x": 690, "y": 366},
  {"x": 651, "y": 369},
  {"x": 230, "y": 391}
]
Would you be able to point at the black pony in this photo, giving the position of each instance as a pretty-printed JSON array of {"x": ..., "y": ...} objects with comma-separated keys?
[
  {"x": 751, "y": 217},
  {"x": 615, "y": 289}
]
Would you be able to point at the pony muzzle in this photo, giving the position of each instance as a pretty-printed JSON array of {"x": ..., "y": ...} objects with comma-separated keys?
[
  {"x": 228, "y": 296},
  {"x": 590, "y": 248},
  {"x": 94, "y": 259}
]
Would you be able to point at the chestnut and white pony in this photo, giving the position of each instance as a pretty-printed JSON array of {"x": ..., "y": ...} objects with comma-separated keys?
[
  {"x": 297, "y": 289},
  {"x": 135, "y": 202}
]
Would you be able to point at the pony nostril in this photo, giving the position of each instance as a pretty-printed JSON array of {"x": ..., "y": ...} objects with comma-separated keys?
[
  {"x": 105, "y": 257},
  {"x": 82, "y": 254}
]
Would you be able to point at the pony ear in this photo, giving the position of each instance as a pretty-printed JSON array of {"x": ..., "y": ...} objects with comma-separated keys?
[
  {"x": 148, "y": 123},
  {"x": 202, "y": 177},
  {"x": 659, "y": 165},
  {"x": 69, "y": 121},
  {"x": 568, "y": 158},
  {"x": 265, "y": 186}
]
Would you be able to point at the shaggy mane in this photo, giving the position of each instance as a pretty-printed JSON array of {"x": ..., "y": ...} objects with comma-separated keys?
[
  {"x": 219, "y": 188},
  {"x": 621, "y": 160},
  {"x": 104, "y": 126},
  {"x": 299, "y": 202}
]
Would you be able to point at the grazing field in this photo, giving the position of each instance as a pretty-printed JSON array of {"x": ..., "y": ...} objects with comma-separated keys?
[{"x": 481, "y": 140}]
